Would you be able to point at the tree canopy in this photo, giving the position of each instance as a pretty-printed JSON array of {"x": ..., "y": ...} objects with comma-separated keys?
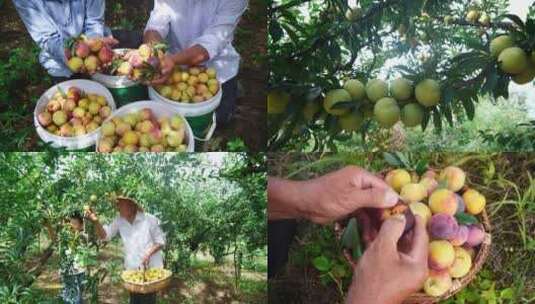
[
  {"x": 214, "y": 202},
  {"x": 316, "y": 46}
]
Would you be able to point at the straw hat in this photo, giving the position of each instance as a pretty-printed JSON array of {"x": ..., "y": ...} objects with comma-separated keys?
[{"x": 126, "y": 198}]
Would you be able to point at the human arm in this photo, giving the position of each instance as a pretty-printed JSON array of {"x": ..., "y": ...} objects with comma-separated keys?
[
  {"x": 158, "y": 238},
  {"x": 41, "y": 29},
  {"x": 329, "y": 197},
  {"x": 103, "y": 233},
  {"x": 205, "y": 47},
  {"x": 94, "y": 18},
  {"x": 386, "y": 275}
]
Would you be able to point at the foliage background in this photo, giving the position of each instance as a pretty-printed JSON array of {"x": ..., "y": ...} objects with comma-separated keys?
[
  {"x": 210, "y": 204},
  {"x": 505, "y": 179}
]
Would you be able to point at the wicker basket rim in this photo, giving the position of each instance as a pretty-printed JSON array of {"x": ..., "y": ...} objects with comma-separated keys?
[{"x": 168, "y": 274}]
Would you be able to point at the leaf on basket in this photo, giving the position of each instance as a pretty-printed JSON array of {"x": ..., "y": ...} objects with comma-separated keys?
[
  {"x": 351, "y": 238},
  {"x": 466, "y": 219}
]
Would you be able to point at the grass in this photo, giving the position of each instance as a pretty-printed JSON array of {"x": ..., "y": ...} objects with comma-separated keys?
[{"x": 505, "y": 180}]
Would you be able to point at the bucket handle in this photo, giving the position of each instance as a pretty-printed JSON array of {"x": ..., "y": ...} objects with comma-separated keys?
[{"x": 210, "y": 132}]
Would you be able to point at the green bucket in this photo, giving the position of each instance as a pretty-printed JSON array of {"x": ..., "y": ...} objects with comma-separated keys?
[
  {"x": 124, "y": 90},
  {"x": 126, "y": 95},
  {"x": 202, "y": 125}
]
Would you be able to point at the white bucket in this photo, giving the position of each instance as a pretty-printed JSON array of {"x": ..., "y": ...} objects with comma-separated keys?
[
  {"x": 192, "y": 110},
  {"x": 159, "y": 110},
  {"x": 70, "y": 143},
  {"x": 189, "y": 109}
]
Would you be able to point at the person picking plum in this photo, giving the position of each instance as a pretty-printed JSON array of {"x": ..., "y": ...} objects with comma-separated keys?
[
  {"x": 52, "y": 23},
  {"x": 142, "y": 238},
  {"x": 387, "y": 272},
  {"x": 199, "y": 32},
  {"x": 72, "y": 271}
]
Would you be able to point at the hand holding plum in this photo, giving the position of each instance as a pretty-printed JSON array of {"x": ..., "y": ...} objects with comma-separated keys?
[
  {"x": 90, "y": 214},
  {"x": 386, "y": 275},
  {"x": 166, "y": 69},
  {"x": 329, "y": 197}
]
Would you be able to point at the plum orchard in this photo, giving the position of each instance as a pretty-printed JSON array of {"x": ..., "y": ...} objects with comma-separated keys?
[
  {"x": 448, "y": 207},
  {"x": 226, "y": 218},
  {"x": 324, "y": 83}
]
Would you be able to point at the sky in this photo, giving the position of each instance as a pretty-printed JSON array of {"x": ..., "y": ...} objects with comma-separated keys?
[{"x": 520, "y": 8}]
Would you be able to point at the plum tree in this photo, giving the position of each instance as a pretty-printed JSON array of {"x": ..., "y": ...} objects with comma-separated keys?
[{"x": 312, "y": 55}]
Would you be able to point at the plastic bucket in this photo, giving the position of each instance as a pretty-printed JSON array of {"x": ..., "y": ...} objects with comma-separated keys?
[
  {"x": 159, "y": 110},
  {"x": 70, "y": 143},
  {"x": 123, "y": 89},
  {"x": 201, "y": 116}
]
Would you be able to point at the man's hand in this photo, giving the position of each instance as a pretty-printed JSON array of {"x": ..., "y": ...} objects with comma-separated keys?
[
  {"x": 109, "y": 40},
  {"x": 146, "y": 260},
  {"x": 384, "y": 274},
  {"x": 91, "y": 215},
  {"x": 329, "y": 197},
  {"x": 167, "y": 66}
]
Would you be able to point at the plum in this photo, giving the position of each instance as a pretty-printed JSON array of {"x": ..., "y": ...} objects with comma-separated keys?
[
  {"x": 136, "y": 60},
  {"x": 125, "y": 68},
  {"x": 105, "y": 54},
  {"x": 44, "y": 118},
  {"x": 95, "y": 44},
  {"x": 59, "y": 118},
  {"x": 154, "y": 62},
  {"x": 82, "y": 50},
  {"x": 443, "y": 226},
  {"x": 476, "y": 235},
  {"x": 460, "y": 236},
  {"x": 400, "y": 208},
  {"x": 74, "y": 93}
]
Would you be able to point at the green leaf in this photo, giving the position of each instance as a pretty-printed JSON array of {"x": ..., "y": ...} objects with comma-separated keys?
[
  {"x": 275, "y": 31},
  {"x": 321, "y": 263},
  {"x": 515, "y": 19},
  {"x": 351, "y": 238},
  {"x": 343, "y": 105},
  {"x": 507, "y": 293},
  {"x": 466, "y": 219},
  {"x": 421, "y": 167},
  {"x": 392, "y": 160}
]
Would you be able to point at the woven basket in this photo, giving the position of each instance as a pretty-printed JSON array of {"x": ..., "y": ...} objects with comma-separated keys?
[
  {"x": 458, "y": 284},
  {"x": 149, "y": 287}
]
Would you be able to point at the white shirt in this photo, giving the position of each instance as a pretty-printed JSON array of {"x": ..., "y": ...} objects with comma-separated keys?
[
  {"x": 209, "y": 23},
  {"x": 137, "y": 239}
]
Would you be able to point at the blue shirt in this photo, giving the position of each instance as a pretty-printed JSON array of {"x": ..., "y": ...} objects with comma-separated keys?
[{"x": 52, "y": 22}]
